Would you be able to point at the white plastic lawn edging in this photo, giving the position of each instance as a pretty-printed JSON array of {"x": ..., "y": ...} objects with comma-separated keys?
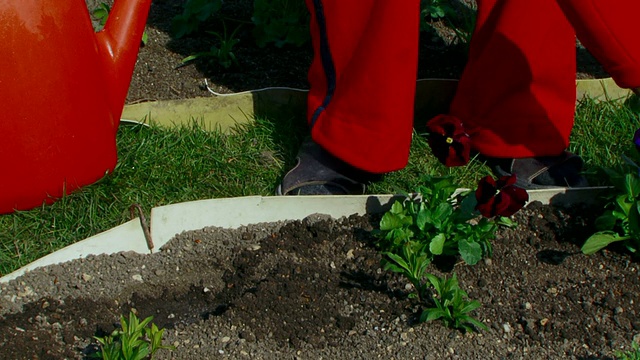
[
  {"x": 170, "y": 220},
  {"x": 224, "y": 111},
  {"x": 126, "y": 237}
]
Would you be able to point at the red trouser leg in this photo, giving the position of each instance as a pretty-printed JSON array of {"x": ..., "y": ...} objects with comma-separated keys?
[
  {"x": 609, "y": 31},
  {"x": 517, "y": 94},
  {"x": 362, "y": 78}
]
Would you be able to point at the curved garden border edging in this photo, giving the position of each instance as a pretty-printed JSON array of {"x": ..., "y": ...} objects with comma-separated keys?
[
  {"x": 167, "y": 221},
  {"x": 223, "y": 111}
]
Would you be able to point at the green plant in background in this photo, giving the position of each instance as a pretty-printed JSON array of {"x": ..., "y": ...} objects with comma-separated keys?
[
  {"x": 633, "y": 354},
  {"x": 194, "y": 13},
  {"x": 101, "y": 13},
  {"x": 621, "y": 220},
  {"x": 280, "y": 22},
  {"x": 134, "y": 341},
  {"x": 223, "y": 52},
  {"x": 462, "y": 21},
  {"x": 463, "y": 25},
  {"x": 435, "y": 9}
]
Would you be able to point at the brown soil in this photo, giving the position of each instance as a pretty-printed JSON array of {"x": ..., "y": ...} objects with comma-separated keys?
[{"x": 314, "y": 289}]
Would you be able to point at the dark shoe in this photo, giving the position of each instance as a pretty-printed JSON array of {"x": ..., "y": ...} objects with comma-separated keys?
[
  {"x": 564, "y": 170},
  {"x": 320, "y": 173}
]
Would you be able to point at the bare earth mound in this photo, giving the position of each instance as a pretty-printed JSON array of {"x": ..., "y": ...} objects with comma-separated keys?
[{"x": 315, "y": 289}]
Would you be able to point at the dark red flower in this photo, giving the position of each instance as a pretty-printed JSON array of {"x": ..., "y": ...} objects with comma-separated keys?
[
  {"x": 448, "y": 140},
  {"x": 500, "y": 198}
]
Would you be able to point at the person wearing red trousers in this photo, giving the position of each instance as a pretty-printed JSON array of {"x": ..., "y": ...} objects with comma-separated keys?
[{"x": 516, "y": 97}]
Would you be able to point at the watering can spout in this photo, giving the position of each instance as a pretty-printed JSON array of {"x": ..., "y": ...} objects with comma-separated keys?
[{"x": 118, "y": 44}]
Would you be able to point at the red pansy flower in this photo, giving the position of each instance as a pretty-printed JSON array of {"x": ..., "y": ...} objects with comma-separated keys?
[
  {"x": 500, "y": 198},
  {"x": 448, "y": 140}
]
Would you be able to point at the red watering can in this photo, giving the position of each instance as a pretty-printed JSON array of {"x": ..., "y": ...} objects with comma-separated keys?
[{"x": 62, "y": 90}]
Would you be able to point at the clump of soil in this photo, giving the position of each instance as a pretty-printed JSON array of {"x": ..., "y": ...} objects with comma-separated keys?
[{"x": 315, "y": 289}]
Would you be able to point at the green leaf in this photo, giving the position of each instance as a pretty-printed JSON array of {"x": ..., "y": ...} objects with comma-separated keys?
[
  {"x": 624, "y": 204},
  {"x": 479, "y": 325},
  {"x": 431, "y": 314},
  {"x": 390, "y": 221},
  {"x": 470, "y": 251},
  {"x": 441, "y": 214},
  {"x": 506, "y": 222},
  {"x": 435, "y": 281},
  {"x": 632, "y": 185},
  {"x": 423, "y": 218},
  {"x": 600, "y": 240},
  {"x": 404, "y": 266},
  {"x": 145, "y": 38},
  {"x": 606, "y": 221},
  {"x": 467, "y": 208},
  {"x": 470, "y": 306},
  {"x": 437, "y": 244}
]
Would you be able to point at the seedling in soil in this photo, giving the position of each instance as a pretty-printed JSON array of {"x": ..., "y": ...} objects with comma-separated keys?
[
  {"x": 134, "y": 341},
  {"x": 194, "y": 13},
  {"x": 223, "y": 53},
  {"x": 280, "y": 22},
  {"x": 452, "y": 305},
  {"x": 621, "y": 221}
]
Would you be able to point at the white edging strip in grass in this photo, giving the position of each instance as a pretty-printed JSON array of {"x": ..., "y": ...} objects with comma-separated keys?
[
  {"x": 125, "y": 237},
  {"x": 167, "y": 221}
]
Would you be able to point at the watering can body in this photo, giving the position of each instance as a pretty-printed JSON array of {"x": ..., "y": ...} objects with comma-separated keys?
[{"x": 62, "y": 87}]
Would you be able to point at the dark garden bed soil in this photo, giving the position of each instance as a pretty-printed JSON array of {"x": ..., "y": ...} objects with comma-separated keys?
[{"x": 314, "y": 289}]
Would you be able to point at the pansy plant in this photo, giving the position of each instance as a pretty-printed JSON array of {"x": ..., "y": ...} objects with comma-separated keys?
[
  {"x": 447, "y": 222},
  {"x": 440, "y": 220},
  {"x": 621, "y": 220}
]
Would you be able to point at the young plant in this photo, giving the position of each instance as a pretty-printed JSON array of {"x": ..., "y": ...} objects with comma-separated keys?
[
  {"x": 621, "y": 220},
  {"x": 134, "y": 341},
  {"x": 194, "y": 13},
  {"x": 452, "y": 305},
  {"x": 412, "y": 263},
  {"x": 223, "y": 53},
  {"x": 280, "y": 22},
  {"x": 442, "y": 222}
]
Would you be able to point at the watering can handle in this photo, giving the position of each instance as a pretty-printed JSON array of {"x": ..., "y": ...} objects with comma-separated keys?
[{"x": 118, "y": 43}]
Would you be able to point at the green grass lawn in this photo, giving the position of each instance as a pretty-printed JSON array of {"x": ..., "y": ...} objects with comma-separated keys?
[{"x": 159, "y": 166}]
